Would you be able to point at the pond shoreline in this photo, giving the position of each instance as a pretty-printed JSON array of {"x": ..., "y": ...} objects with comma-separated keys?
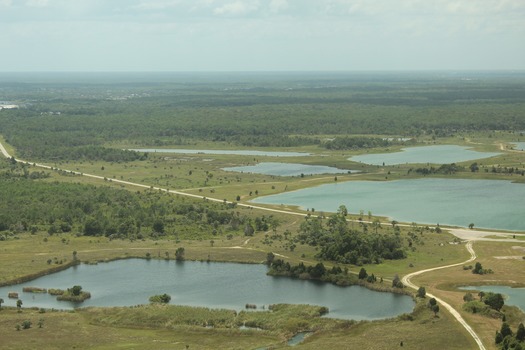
[{"x": 266, "y": 282}]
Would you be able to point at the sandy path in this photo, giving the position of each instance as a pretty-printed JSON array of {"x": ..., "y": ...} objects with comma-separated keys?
[
  {"x": 406, "y": 281},
  {"x": 477, "y": 235}
]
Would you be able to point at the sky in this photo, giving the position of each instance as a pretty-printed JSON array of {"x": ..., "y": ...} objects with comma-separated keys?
[{"x": 261, "y": 35}]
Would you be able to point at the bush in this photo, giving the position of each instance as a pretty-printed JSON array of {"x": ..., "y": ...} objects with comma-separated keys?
[{"x": 161, "y": 298}]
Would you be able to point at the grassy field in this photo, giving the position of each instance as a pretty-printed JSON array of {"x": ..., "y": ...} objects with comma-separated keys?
[
  {"x": 175, "y": 327},
  {"x": 28, "y": 254},
  {"x": 504, "y": 258}
]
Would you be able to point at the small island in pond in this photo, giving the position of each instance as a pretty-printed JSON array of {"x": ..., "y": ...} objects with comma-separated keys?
[{"x": 75, "y": 294}]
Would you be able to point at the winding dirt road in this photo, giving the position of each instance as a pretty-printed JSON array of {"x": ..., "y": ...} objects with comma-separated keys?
[{"x": 406, "y": 281}]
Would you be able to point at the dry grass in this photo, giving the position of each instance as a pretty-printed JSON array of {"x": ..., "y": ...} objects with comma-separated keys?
[{"x": 443, "y": 283}]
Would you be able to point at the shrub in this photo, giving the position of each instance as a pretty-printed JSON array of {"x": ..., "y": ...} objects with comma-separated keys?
[{"x": 161, "y": 298}]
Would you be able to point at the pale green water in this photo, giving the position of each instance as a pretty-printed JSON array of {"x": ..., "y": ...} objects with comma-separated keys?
[
  {"x": 216, "y": 285},
  {"x": 443, "y": 154},
  {"x": 218, "y": 151},
  {"x": 287, "y": 169},
  {"x": 486, "y": 203},
  {"x": 513, "y": 296},
  {"x": 520, "y": 146}
]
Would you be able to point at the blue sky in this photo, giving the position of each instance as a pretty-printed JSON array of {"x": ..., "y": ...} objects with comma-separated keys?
[{"x": 261, "y": 35}]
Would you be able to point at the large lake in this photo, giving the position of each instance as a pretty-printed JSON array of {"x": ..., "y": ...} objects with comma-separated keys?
[
  {"x": 287, "y": 169},
  {"x": 513, "y": 296},
  {"x": 218, "y": 151},
  {"x": 486, "y": 203},
  {"x": 442, "y": 154},
  {"x": 215, "y": 285}
]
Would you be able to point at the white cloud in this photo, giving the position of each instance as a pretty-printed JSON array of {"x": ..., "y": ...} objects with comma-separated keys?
[
  {"x": 264, "y": 34},
  {"x": 237, "y": 8}
]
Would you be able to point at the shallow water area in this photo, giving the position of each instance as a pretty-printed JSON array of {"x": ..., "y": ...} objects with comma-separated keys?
[
  {"x": 215, "y": 285},
  {"x": 218, "y": 151},
  {"x": 298, "y": 338},
  {"x": 287, "y": 169},
  {"x": 513, "y": 296},
  {"x": 439, "y": 154},
  {"x": 519, "y": 146},
  {"x": 493, "y": 204}
]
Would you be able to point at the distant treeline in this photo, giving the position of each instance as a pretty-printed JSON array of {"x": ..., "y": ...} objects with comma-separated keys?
[{"x": 62, "y": 120}]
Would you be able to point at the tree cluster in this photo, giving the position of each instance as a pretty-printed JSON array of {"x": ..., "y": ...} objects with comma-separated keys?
[
  {"x": 357, "y": 142},
  {"x": 338, "y": 242},
  {"x": 447, "y": 169},
  {"x": 507, "y": 340},
  {"x": 33, "y": 206},
  {"x": 336, "y": 275}
]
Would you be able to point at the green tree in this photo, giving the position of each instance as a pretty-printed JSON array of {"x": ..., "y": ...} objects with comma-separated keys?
[
  {"x": 248, "y": 229},
  {"x": 481, "y": 295},
  {"x": 468, "y": 297},
  {"x": 505, "y": 330},
  {"x": 318, "y": 270},
  {"x": 421, "y": 292},
  {"x": 362, "y": 274},
  {"x": 499, "y": 338},
  {"x": 158, "y": 226},
  {"x": 1, "y": 302},
  {"x": 161, "y": 298},
  {"x": 26, "y": 324},
  {"x": 435, "y": 309},
  {"x": 432, "y": 302},
  {"x": 179, "y": 254},
  {"x": 76, "y": 290},
  {"x": 478, "y": 269},
  {"x": 270, "y": 257},
  {"x": 471, "y": 225},
  {"x": 520, "y": 333},
  {"x": 92, "y": 227},
  {"x": 396, "y": 282},
  {"x": 495, "y": 300},
  {"x": 19, "y": 304}
]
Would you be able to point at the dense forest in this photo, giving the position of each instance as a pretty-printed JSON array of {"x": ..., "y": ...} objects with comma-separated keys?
[
  {"x": 338, "y": 242},
  {"x": 61, "y": 119},
  {"x": 31, "y": 205}
]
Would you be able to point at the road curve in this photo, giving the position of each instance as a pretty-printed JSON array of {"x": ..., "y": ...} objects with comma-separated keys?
[
  {"x": 4, "y": 151},
  {"x": 406, "y": 281}
]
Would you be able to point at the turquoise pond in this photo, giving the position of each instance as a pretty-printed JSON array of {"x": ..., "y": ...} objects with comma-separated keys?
[
  {"x": 519, "y": 146},
  {"x": 287, "y": 169},
  {"x": 441, "y": 154},
  {"x": 513, "y": 296},
  {"x": 215, "y": 285},
  {"x": 486, "y": 203},
  {"x": 218, "y": 151}
]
